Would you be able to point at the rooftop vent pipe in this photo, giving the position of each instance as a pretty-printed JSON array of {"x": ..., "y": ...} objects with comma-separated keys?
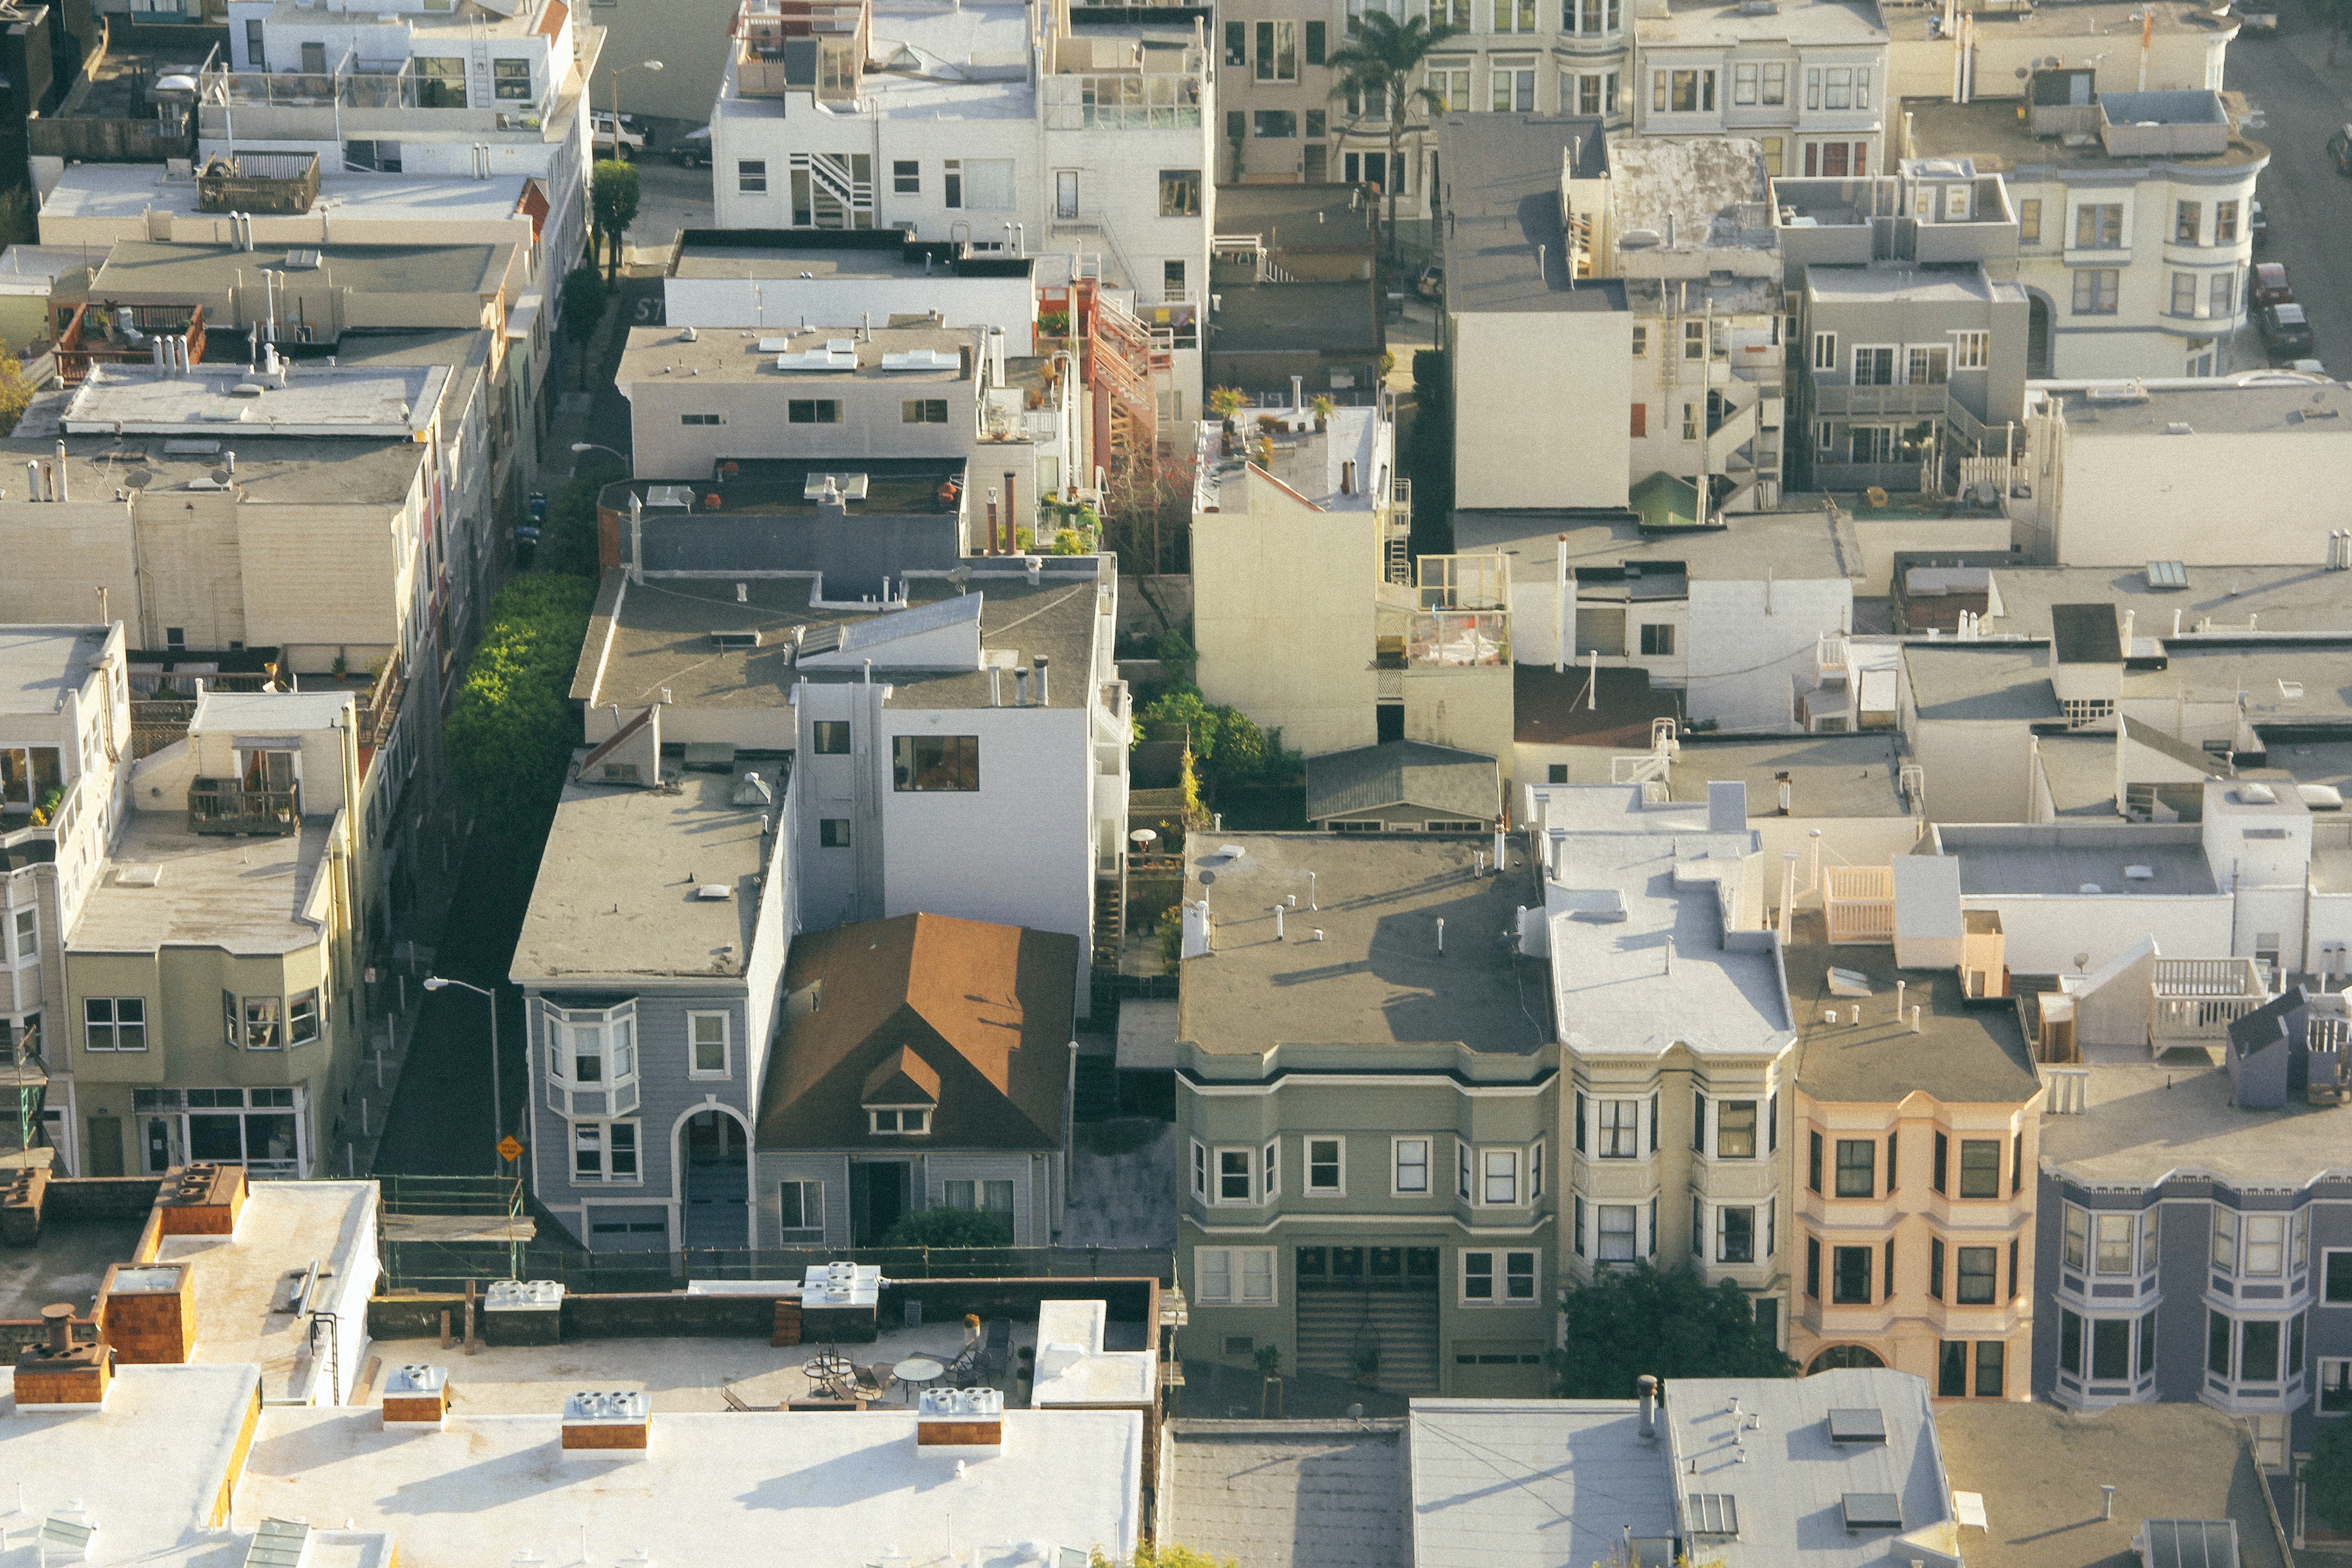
[
  {"x": 1649, "y": 1387},
  {"x": 62, "y": 492},
  {"x": 59, "y": 1316},
  {"x": 1041, "y": 680}
]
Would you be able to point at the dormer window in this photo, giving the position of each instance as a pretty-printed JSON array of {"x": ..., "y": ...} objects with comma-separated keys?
[{"x": 899, "y": 1096}]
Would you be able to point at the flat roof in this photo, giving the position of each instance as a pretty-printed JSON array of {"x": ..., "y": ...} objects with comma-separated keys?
[
  {"x": 1298, "y": 1494},
  {"x": 1376, "y": 976},
  {"x": 1796, "y": 545},
  {"x": 1534, "y": 1483},
  {"x": 845, "y": 1490},
  {"x": 2081, "y": 773},
  {"x": 240, "y": 1278},
  {"x": 38, "y": 665},
  {"x": 1974, "y": 682},
  {"x": 2039, "y": 1467},
  {"x": 199, "y": 269},
  {"x": 734, "y": 354},
  {"x": 2058, "y": 19},
  {"x": 2060, "y": 857},
  {"x": 1800, "y": 22},
  {"x": 1990, "y": 132},
  {"x": 1700, "y": 183},
  {"x": 660, "y": 635},
  {"x": 149, "y": 1466},
  {"x": 2286, "y": 680},
  {"x": 1959, "y": 284},
  {"x": 765, "y": 255},
  {"x": 1640, "y": 959},
  {"x": 1306, "y": 318},
  {"x": 1311, "y": 464},
  {"x": 2271, "y": 403},
  {"x": 1792, "y": 1481},
  {"x": 315, "y": 470},
  {"x": 386, "y": 401},
  {"x": 618, "y": 888},
  {"x": 242, "y": 895},
  {"x": 1503, "y": 176},
  {"x": 971, "y": 64},
  {"x": 127, "y": 191},
  {"x": 1300, "y": 217},
  {"x": 1962, "y": 1055},
  {"x": 2146, "y": 1121},
  {"x": 1829, "y": 775},
  {"x": 2279, "y": 598}
]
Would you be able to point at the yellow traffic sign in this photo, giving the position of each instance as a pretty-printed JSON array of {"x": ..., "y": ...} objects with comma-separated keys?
[{"x": 508, "y": 1149}]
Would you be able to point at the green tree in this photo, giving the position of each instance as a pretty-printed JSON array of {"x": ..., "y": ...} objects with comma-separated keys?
[
  {"x": 568, "y": 542},
  {"x": 1168, "y": 1554},
  {"x": 613, "y": 196},
  {"x": 1427, "y": 455},
  {"x": 20, "y": 221},
  {"x": 511, "y": 730},
  {"x": 1378, "y": 66},
  {"x": 15, "y": 392},
  {"x": 950, "y": 1227},
  {"x": 584, "y": 310},
  {"x": 2329, "y": 1474},
  {"x": 1669, "y": 1323}
]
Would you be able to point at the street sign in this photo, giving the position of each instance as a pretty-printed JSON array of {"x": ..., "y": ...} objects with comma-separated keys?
[{"x": 508, "y": 1149}]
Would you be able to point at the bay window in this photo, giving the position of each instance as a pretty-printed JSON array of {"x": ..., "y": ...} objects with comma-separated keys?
[{"x": 592, "y": 1059}]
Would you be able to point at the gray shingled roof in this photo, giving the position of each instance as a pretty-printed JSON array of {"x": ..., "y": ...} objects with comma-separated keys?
[{"x": 1402, "y": 772}]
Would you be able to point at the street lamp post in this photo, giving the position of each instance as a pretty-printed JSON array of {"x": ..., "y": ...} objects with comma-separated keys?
[
  {"x": 641, "y": 65},
  {"x": 498, "y": 1107}
]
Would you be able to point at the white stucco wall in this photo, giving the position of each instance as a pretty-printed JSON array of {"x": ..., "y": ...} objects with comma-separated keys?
[
  {"x": 1744, "y": 663},
  {"x": 2042, "y": 933},
  {"x": 2130, "y": 500},
  {"x": 1541, "y": 409}
]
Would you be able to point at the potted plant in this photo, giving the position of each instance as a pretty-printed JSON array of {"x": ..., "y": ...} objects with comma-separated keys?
[
  {"x": 1321, "y": 408},
  {"x": 1270, "y": 1371},
  {"x": 1224, "y": 402}
]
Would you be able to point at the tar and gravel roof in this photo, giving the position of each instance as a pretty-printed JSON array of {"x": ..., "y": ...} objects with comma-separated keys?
[
  {"x": 617, "y": 892},
  {"x": 2039, "y": 1469},
  {"x": 1375, "y": 976},
  {"x": 2148, "y": 1120},
  {"x": 155, "y": 269},
  {"x": 734, "y": 354},
  {"x": 241, "y": 895},
  {"x": 1969, "y": 682},
  {"x": 1502, "y": 177},
  {"x": 1291, "y": 1494},
  {"x": 1992, "y": 132},
  {"x": 1962, "y": 1055},
  {"x": 643, "y": 636}
]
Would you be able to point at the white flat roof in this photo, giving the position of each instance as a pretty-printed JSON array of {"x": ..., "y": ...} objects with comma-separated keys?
[
  {"x": 283, "y": 1228},
  {"x": 129, "y": 191},
  {"x": 393, "y": 401},
  {"x": 148, "y": 1467},
  {"x": 831, "y": 1490}
]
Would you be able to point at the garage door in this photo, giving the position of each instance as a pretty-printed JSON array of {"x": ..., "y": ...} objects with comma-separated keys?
[
  {"x": 628, "y": 1228},
  {"x": 1498, "y": 1369}
]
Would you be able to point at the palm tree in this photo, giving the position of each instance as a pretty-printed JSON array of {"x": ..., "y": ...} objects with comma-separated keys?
[{"x": 1379, "y": 65}]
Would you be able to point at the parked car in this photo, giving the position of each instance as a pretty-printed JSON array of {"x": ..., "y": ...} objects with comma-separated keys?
[
  {"x": 2271, "y": 285},
  {"x": 2286, "y": 332},
  {"x": 692, "y": 151},
  {"x": 632, "y": 139},
  {"x": 2339, "y": 148},
  {"x": 2258, "y": 225},
  {"x": 1431, "y": 284}
]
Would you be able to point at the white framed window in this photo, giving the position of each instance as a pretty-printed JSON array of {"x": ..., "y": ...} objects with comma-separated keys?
[
  {"x": 1235, "y": 1276},
  {"x": 2266, "y": 1245},
  {"x": 1614, "y": 1238},
  {"x": 1326, "y": 1167},
  {"x": 1409, "y": 1160},
  {"x": 591, "y": 1047},
  {"x": 604, "y": 1151},
  {"x": 1236, "y": 1176},
  {"x": 1199, "y": 1169},
  {"x": 25, "y": 935},
  {"x": 253, "y": 1023},
  {"x": 1927, "y": 365},
  {"x": 1735, "y": 1234},
  {"x": 1498, "y": 1278},
  {"x": 120, "y": 1024},
  {"x": 1619, "y": 1129},
  {"x": 1825, "y": 354},
  {"x": 986, "y": 1196},
  {"x": 707, "y": 1043},
  {"x": 801, "y": 1206},
  {"x": 302, "y": 1018},
  {"x": 1971, "y": 350},
  {"x": 1273, "y": 1168},
  {"x": 1462, "y": 1170},
  {"x": 1498, "y": 1176},
  {"x": 1535, "y": 1170},
  {"x": 898, "y": 1120}
]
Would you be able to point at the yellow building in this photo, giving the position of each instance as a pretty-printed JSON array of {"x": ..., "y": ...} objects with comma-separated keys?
[
  {"x": 1918, "y": 1114},
  {"x": 212, "y": 989},
  {"x": 1310, "y": 616}
]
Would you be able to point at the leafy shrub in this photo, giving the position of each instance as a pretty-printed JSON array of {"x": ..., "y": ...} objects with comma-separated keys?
[
  {"x": 950, "y": 1227},
  {"x": 511, "y": 730}
]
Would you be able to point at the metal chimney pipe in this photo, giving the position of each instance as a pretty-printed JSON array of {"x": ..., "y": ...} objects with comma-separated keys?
[
  {"x": 1011, "y": 539},
  {"x": 1020, "y": 687},
  {"x": 992, "y": 522},
  {"x": 1649, "y": 1387},
  {"x": 1277, "y": 923},
  {"x": 32, "y": 480},
  {"x": 2107, "y": 1502},
  {"x": 1041, "y": 680},
  {"x": 995, "y": 686},
  {"x": 63, "y": 493},
  {"x": 59, "y": 1316},
  {"x": 1440, "y": 934}
]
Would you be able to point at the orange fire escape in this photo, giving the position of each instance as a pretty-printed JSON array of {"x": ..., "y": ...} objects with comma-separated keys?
[{"x": 1129, "y": 367}]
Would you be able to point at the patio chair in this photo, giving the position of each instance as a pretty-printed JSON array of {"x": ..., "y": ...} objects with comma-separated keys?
[
  {"x": 997, "y": 1353},
  {"x": 964, "y": 1370}
]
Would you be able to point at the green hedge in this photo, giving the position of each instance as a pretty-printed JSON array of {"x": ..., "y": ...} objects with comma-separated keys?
[{"x": 512, "y": 732}]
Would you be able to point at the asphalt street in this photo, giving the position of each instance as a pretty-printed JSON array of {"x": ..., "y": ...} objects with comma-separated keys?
[{"x": 2297, "y": 100}]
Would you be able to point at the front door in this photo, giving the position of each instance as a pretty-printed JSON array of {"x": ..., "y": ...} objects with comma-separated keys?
[
  {"x": 1065, "y": 195},
  {"x": 718, "y": 1190},
  {"x": 877, "y": 1197},
  {"x": 104, "y": 1156},
  {"x": 160, "y": 1137}
]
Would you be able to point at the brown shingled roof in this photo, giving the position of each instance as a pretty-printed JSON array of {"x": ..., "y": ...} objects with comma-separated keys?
[{"x": 975, "y": 1017}]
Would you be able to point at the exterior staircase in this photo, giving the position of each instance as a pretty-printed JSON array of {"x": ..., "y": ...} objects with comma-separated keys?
[{"x": 1335, "y": 1327}]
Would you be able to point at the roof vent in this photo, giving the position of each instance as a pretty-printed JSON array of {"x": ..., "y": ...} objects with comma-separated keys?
[
  {"x": 922, "y": 359},
  {"x": 2257, "y": 794},
  {"x": 2090, "y": 888},
  {"x": 67, "y": 1537},
  {"x": 686, "y": 335},
  {"x": 1848, "y": 983},
  {"x": 2180, "y": 427},
  {"x": 2290, "y": 691},
  {"x": 302, "y": 261},
  {"x": 247, "y": 389},
  {"x": 714, "y": 892},
  {"x": 138, "y": 875},
  {"x": 2139, "y": 873}
]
